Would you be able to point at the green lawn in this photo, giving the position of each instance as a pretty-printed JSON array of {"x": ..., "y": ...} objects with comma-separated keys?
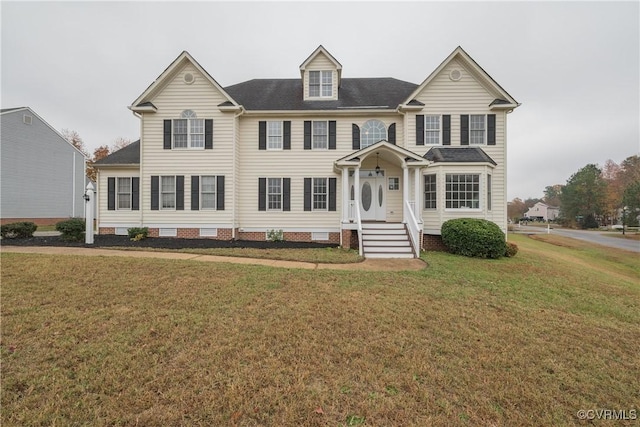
[{"x": 524, "y": 341}]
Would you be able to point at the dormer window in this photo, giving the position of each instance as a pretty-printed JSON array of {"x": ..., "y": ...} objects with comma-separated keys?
[{"x": 320, "y": 83}]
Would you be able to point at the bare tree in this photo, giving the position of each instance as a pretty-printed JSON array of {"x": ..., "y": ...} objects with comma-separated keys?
[{"x": 74, "y": 138}]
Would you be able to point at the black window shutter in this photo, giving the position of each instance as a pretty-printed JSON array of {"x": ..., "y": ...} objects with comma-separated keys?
[
  {"x": 262, "y": 194},
  {"x": 262, "y": 135},
  {"x": 180, "y": 192},
  {"x": 446, "y": 129},
  {"x": 307, "y": 135},
  {"x": 491, "y": 129},
  {"x": 332, "y": 134},
  {"x": 420, "y": 129},
  {"x": 220, "y": 192},
  {"x": 286, "y": 194},
  {"x": 286, "y": 135},
  {"x": 464, "y": 129},
  {"x": 307, "y": 194},
  {"x": 167, "y": 135},
  {"x": 111, "y": 194},
  {"x": 195, "y": 192},
  {"x": 392, "y": 133},
  {"x": 355, "y": 137},
  {"x": 135, "y": 193},
  {"x": 332, "y": 194},
  {"x": 155, "y": 193},
  {"x": 208, "y": 134}
]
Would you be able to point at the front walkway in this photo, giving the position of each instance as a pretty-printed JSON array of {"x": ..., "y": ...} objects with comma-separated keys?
[{"x": 366, "y": 265}]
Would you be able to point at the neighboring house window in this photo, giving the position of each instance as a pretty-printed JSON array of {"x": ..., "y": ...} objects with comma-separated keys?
[
  {"x": 320, "y": 136},
  {"x": 430, "y": 193},
  {"x": 394, "y": 183},
  {"x": 168, "y": 192},
  {"x": 188, "y": 132},
  {"x": 462, "y": 191},
  {"x": 372, "y": 131},
  {"x": 124, "y": 193},
  {"x": 274, "y": 135},
  {"x": 489, "y": 192},
  {"x": 207, "y": 192},
  {"x": 274, "y": 193},
  {"x": 320, "y": 83},
  {"x": 477, "y": 129},
  {"x": 320, "y": 194},
  {"x": 432, "y": 130}
]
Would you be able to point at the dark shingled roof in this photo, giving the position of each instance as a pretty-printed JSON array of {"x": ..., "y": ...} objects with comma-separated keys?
[
  {"x": 286, "y": 94},
  {"x": 458, "y": 155},
  {"x": 128, "y": 155}
]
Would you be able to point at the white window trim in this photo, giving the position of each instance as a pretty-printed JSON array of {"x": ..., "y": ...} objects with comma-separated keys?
[
  {"x": 313, "y": 194},
  {"x": 118, "y": 193},
  {"x": 322, "y": 85},
  {"x": 435, "y": 175},
  {"x": 439, "y": 116},
  {"x": 464, "y": 209},
  {"x": 161, "y": 193},
  {"x": 215, "y": 194},
  {"x": 188, "y": 115},
  {"x": 489, "y": 192},
  {"x": 363, "y": 131},
  {"x": 267, "y": 193},
  {"x": 485, "y": 131},
  {"x": 389, "y": 183},
  {"x": 326, "y": 122},
  {"x": 281, "y": 136}
]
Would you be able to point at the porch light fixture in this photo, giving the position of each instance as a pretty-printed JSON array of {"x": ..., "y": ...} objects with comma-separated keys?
[{"x": 377, "y": 165}]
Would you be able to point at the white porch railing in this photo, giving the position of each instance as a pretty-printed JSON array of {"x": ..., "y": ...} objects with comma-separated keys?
[
  {"x": 352, "y": 210},
  {"x": 359, "y": 224},
  {"x": 412, "y": 206},
  {"x": 413, "y": 227}
]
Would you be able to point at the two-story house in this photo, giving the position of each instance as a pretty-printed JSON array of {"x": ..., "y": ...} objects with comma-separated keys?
[{"x": 377, "y": 163}]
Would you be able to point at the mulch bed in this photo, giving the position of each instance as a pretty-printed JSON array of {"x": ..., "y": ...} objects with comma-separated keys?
[{"x": 105, "y": 241}]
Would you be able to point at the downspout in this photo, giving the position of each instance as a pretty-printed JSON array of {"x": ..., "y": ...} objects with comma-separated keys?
[
  {"x": 233, "y": 172},
  {"x": 73, "y": 187}
]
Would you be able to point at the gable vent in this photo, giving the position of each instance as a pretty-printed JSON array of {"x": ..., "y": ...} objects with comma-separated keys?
[
  {"x": 27, "y": 119},
  {"x": 189, "y": 78},
  {"x": 455, "y": 75}
]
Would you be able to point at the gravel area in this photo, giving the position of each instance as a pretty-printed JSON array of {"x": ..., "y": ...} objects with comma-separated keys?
[{"x": 104, "y": 241}]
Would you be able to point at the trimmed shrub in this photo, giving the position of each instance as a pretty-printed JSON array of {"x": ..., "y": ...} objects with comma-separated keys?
[
  {"x": 72, "y": 229},
  {"x": 512, "y": 250},
  {"x": 18, "y": 230},
  {"x": 275, "y": 235},
  {"x": 138, "y": 233},
  {"x": 474, "y": 238}
]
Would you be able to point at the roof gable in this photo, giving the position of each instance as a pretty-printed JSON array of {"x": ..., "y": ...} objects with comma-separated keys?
[
  {"x": 143, "y": 102},
  {"x": 320, "y": 50},
  {"x": 502, "y": 97}
]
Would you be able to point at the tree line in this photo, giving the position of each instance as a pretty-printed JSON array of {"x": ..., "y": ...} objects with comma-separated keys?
[
  {"x": 592, "y": 196},
  {"x": 99, "y": 153}
]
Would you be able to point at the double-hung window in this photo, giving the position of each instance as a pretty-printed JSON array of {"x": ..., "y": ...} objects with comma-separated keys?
[
  {"x": 188, "y": 131},
  {"x": 432, "y": 130},
  {"x": 207, "y": 192},
  {"x": 477, "y": 129},
  {"x": 320, "y": 83},
  {"x": 462, "y": 191},
  {"x": 168, "y": 192},
  {"x": 430, "y": 192},
  {"x": 124, "y": 193},
  {"x": 320, "y": 140},
  {"x": 489, "y": 192},
  {"x": 274, "y": 193},
  {"x": 274, "y": 135},
  {"x": 320, "y": 194}
]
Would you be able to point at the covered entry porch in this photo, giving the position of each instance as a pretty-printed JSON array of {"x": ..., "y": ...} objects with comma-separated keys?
[{"x": 382, "y": 184}]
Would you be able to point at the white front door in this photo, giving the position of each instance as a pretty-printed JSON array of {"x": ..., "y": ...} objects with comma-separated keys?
[{"x": 372, "y": 198}]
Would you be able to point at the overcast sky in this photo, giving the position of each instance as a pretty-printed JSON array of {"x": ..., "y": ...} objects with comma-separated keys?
[{"x": 574, "y": 66}]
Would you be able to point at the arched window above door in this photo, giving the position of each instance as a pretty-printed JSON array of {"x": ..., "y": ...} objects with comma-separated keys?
[{"x": 372, "y": 131}]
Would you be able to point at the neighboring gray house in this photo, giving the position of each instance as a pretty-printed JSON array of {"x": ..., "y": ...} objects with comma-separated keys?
[
  {"x": 542, "y": 212},
  {"x": 42, "y": 175}
]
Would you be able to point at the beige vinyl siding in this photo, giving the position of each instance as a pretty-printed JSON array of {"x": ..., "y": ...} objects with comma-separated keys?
[
  {"x": 202, "y": 98},
  {"x": 118, "y": 217},
  {"x": 321, "y": 63}
]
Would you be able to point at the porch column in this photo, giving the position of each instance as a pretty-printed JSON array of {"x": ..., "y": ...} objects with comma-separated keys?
[
  {"x": 416, "y": 194},
  {"x": 356, "y": 187},
  {"x": 405, "y": 189},
  {"x": 345, "y": 194}
]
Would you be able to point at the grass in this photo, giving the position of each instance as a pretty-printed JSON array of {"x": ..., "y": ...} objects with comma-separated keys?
[{"x": 524, "y": 341}]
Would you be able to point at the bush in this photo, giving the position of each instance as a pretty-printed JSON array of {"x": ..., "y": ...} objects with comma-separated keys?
[
  {"x": 138, "y": 233},
  {"x": 72, "y": 229},
  {"x": 18, "y": 230},
  {"x": 275, "y": 235},
  {"x": 474, "y": 238},
  {"x": 511, "y": 251}
]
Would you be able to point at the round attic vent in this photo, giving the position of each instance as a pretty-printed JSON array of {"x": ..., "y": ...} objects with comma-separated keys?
[
  {"x": 189, "y": 78},
  {"x": 455, "y": 75}
]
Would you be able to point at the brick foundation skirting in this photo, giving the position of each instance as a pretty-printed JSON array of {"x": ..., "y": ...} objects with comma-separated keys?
[
  {"x": 291, "y": 236},
  {"x": 182, "y": 233},
  {"x": 432, "y": 242}
]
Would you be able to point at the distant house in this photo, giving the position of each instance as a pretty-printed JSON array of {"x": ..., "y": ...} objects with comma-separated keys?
[
  {"x": 42, "y": 175},
  {"x": 542, "y": 212},
  {"x": 373, "y": 163}
]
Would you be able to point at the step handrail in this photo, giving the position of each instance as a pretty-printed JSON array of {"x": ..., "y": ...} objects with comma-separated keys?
[
  {"x": 359, "y": 225},
  {"x": 413, "y": 228}
]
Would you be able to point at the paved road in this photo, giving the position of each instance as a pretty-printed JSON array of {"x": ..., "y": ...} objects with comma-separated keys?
[{"x": 598, "y": 237}]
